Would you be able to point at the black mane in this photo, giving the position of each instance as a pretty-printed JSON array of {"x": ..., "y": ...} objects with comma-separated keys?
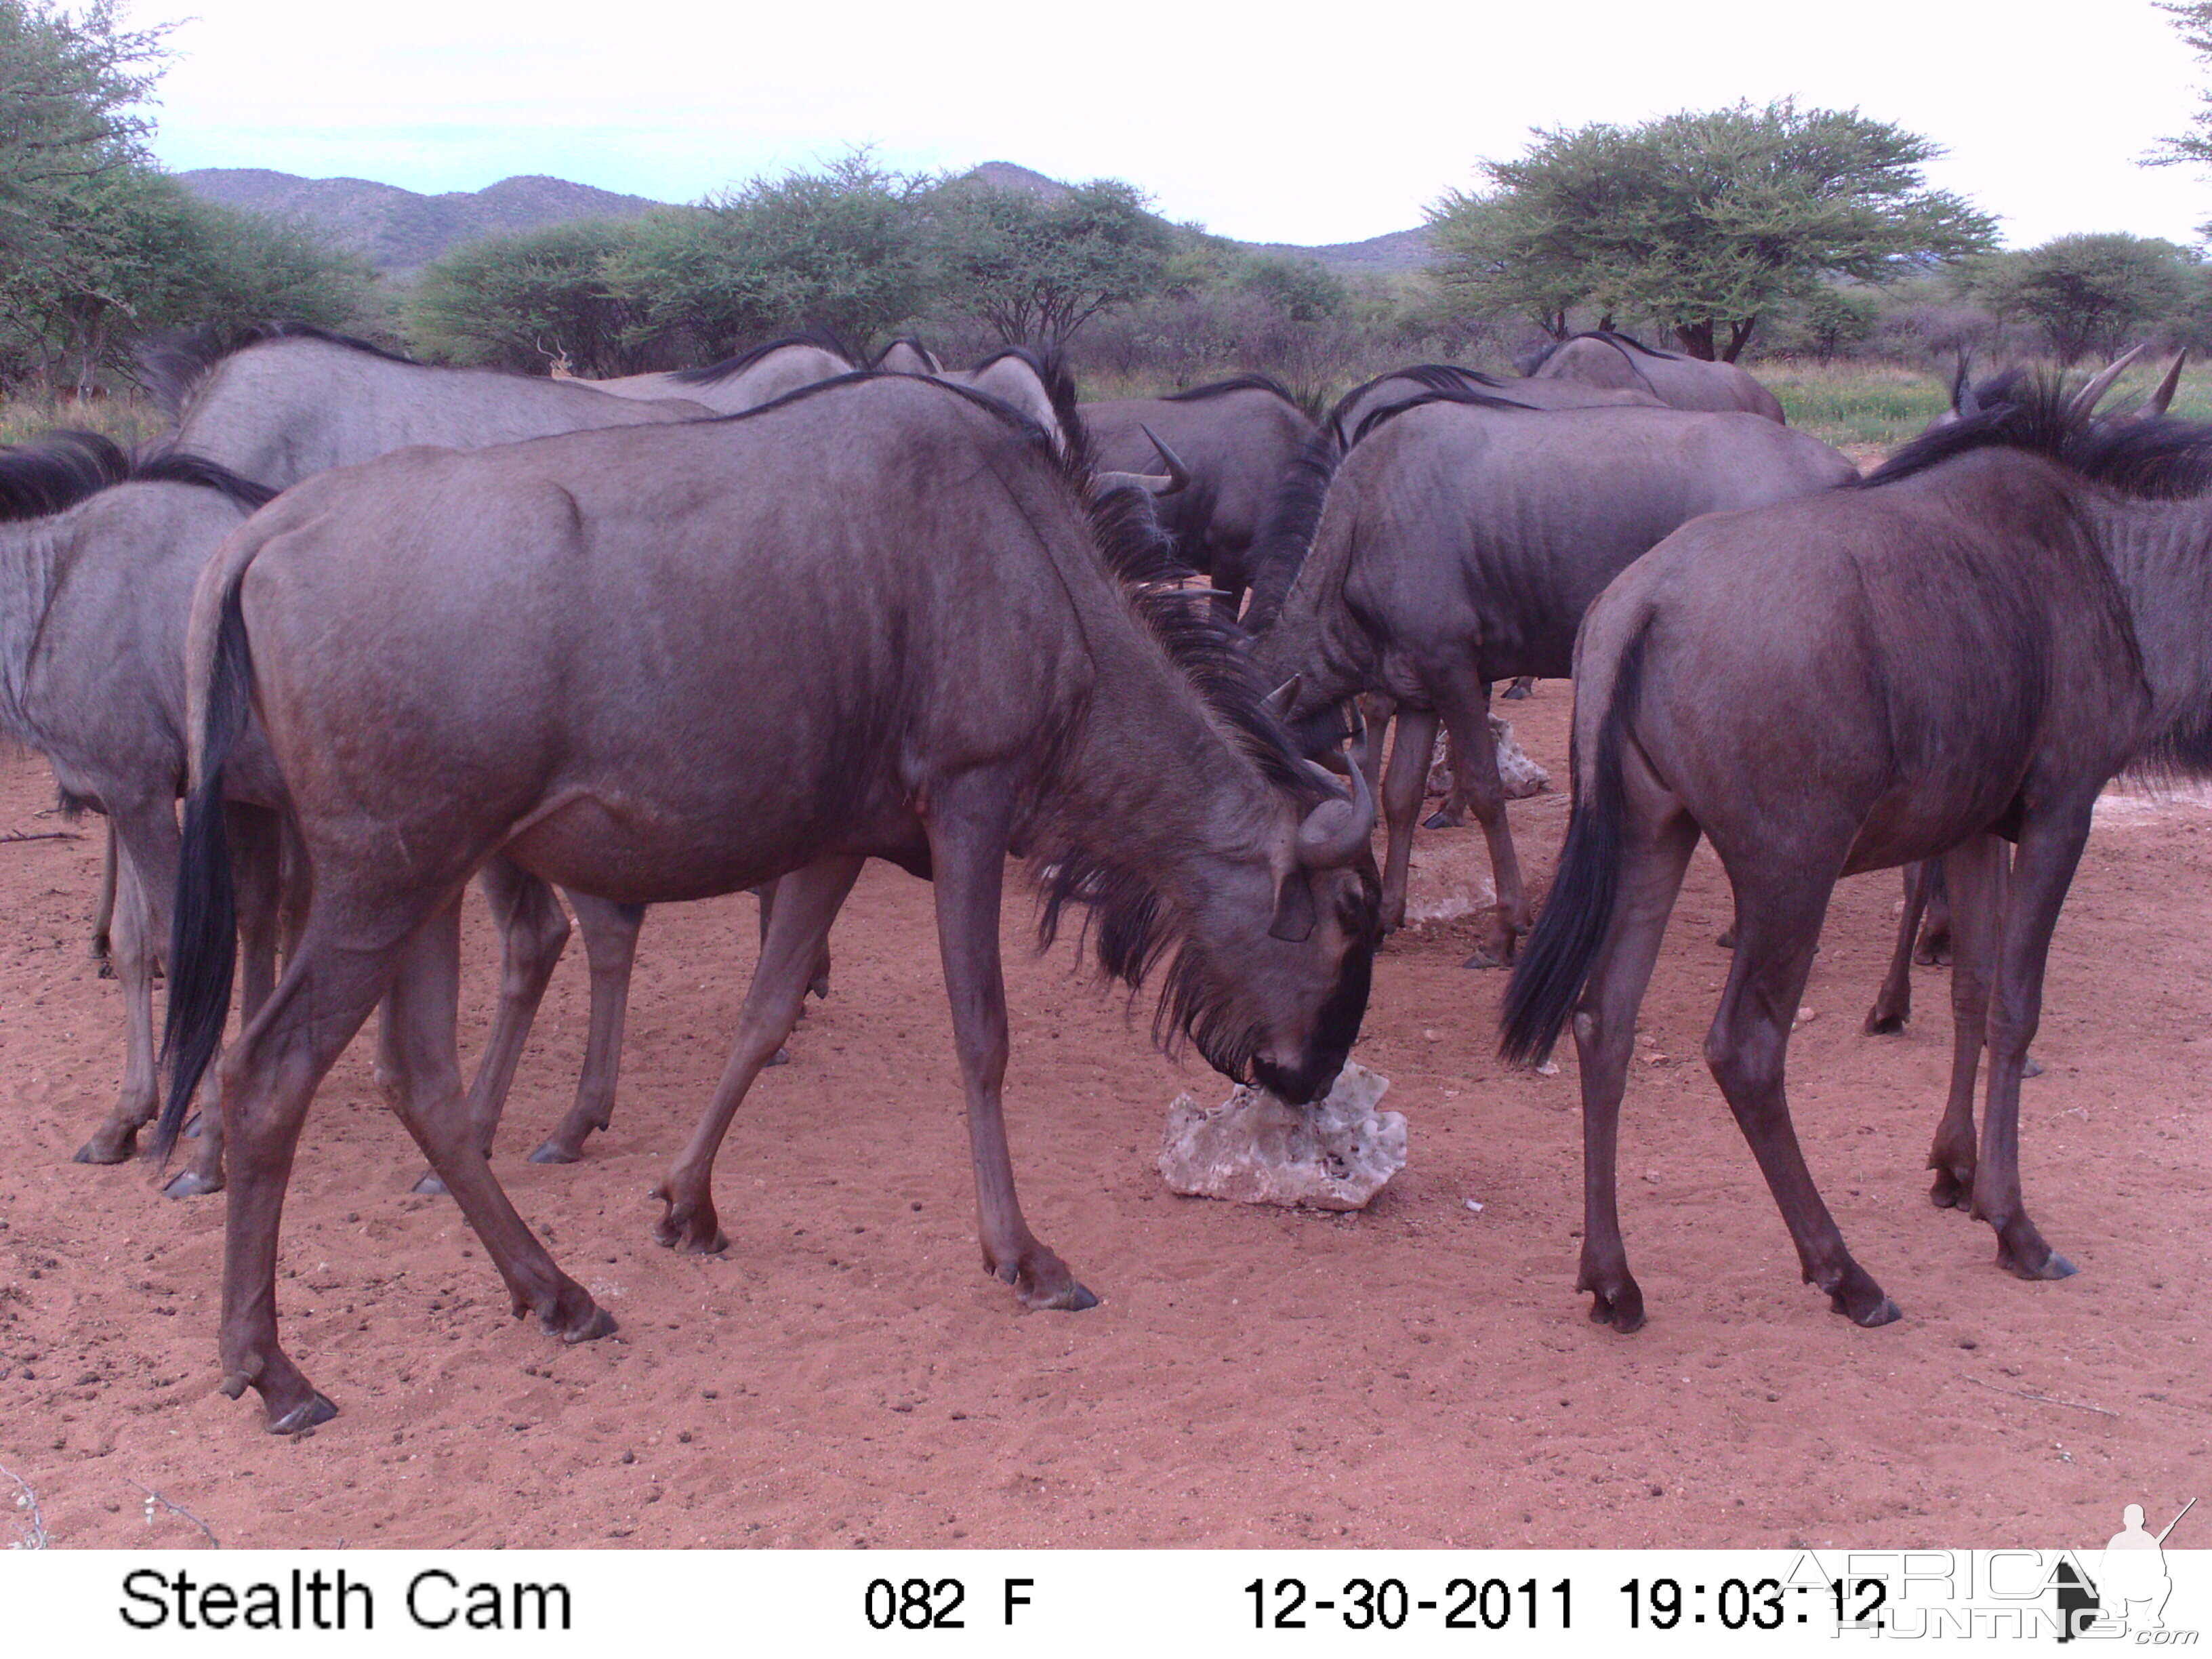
[
  {"x": 173, "y": 366},
  {"x": 1199, "y": 394},
  {"x": 715, "y": 373},
  {"x": 2162, "y": 459},
  {"x": 877, "y": 361},
  {"x": 58, "y": 470},
  {"x": 1544, "y": 353}
]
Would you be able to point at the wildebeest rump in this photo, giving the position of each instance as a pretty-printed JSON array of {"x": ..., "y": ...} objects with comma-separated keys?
[
  {"x": 1460, "y": 542},
  {"x": 1967, "y": 647},
  {"x": 757, "y": 375},
  {"x": 607, "y": 655},
  {"x": 1359, "y": 408},
  {"x": 1602, "y": 358}
]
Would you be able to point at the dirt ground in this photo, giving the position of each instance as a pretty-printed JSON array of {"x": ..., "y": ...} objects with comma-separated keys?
[{"x": 1420, "y": 1375}]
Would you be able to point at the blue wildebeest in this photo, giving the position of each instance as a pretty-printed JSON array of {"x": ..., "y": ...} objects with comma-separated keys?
[
  {"x": 1603, "y": 358},
  {"x": 1964, "y": 648},
  {"x": 1458, "y": 542},
  {"x": 757, "y": 375},
  {"x": 605, "y": 655}
]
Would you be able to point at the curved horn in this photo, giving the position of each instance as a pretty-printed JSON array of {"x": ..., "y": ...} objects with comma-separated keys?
[
  {"x": 1285, "y": 697},
  {"x": 2154, "y": 405},
  {"x": 2079, "y": 406},
  {"x": 1178, "y": 474},
  {"x": 1336, "y": 832}
]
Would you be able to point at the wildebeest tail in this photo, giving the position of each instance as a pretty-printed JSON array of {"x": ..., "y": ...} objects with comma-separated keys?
[
  {"x": 1285, "y": 532},
  {"x": 203, "y": 931},
  {"x": 1555, "y": 964}
]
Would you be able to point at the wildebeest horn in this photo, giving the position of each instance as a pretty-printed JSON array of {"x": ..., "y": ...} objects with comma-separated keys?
[
  {"x": 1285, "y": 697},
  {"x": 1963, "y": 401},
  {"x": 1336, "y": 832},
  {"x": 2156, "y": 404},
  {"x": 1152, "y": 483},
  {"x": 2079, "y": 406}
]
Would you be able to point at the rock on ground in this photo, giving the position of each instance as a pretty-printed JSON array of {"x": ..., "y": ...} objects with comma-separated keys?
[
  {"x": 1521, "y": 776},
  {"x": 1255, "y": 1149}
]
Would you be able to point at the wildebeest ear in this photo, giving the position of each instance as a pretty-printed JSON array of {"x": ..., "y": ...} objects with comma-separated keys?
[{"x": 1294, "y": 909}]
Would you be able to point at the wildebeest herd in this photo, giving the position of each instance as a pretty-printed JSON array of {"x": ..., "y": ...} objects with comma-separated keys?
[{"x": 392, "y": 628}]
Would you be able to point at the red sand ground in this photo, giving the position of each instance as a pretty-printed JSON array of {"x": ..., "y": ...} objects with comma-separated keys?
[{"x": 1420, "y": 1375}]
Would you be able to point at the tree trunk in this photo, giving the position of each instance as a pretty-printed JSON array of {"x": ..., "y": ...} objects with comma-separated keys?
[
  {"x": 1739, "y": 335},
  {"x": 1697, "y": 339}
]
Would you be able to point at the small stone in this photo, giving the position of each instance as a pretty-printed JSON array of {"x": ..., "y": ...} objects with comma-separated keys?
[
  {"x": 1474, "y": 1205},
  {"x": 1254, "y": 1149},
  {"x": 1805, "y": 1017},
  {"x": 1549, "y": 1068},
  {"x": 1652, "y": 1175}
]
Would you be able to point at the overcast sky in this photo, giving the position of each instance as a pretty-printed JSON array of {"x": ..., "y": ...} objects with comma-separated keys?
[{"x": 1264, "y": 122}]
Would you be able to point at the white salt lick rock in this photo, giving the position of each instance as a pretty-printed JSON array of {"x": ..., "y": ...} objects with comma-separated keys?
[{"x": 1255, "y": 1149}]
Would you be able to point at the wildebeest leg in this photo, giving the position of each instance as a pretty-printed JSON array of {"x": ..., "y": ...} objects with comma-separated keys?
[
  {"x": 1453, "y": 812},
  {"x": 421, "y": 1016},
  {"x": 255, "y": 837},
  {"x": 969, "y": 823},
  {"x": 145, "y": 833},
  {"x": 1934, "y": 948},
  {"x": 103, "y": 911},
  {"x": 268, "y": 1077},
  {"x": 1655, "y": 850},
  {"x": 1893, "y": 1004},
  {"x": 2042, "y": 869},
  {"x": 1779, "y": 913},
  {"x": 1973, "y": 875},
  {"x": 611, "y": 948},
  {"x": 1403, "y": 787},
  {"x": 1465, "y": 706},
  {"x": 533, "y": 932},
  {"x": 807, "y": 901}
]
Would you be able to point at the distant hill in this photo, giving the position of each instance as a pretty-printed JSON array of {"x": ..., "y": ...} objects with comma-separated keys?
[{"x": 398, "y": 231}]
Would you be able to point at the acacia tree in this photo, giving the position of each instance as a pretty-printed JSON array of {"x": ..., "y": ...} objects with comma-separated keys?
[
  {"x": 1037, "y": 270},
  {"x": 1704, "y": 221},
  {"x": 2088, "y": 293},
  {"x": 531, "y": 301}
]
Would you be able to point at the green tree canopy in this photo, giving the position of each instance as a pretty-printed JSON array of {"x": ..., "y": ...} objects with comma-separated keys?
[
  {"x": 836, "y": 250},
  {"x": 529, "y": 300},
  {"x": 1037, "y": 270},
  {"x": 2088, "y": 293},
  {"x": 1700, "y": 220}
]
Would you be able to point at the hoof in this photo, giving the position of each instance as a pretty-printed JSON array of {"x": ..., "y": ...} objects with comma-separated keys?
[
  {"x": 598, "y": 1323},
  {"x": 190, "y": 1183},
  {"x": 96, "y": 1151},
  {"x": 429, "y": 1185},
  {"x": 2053, "y": 1266},
  {"x": 690, "y": 1230},
  {"x": 1442, "y": 821},
  {"x": 780, "y": 1057},
  {"x": 554, "y": 1153},
  {"x": 1483, "y": 956},
  {"x": 195, "y": 1125},
  {"x": 1934, "y": 956},
  {"x": 106, "y": 967},
  {"x": 1951, "y": 1190},
  {"x": 1884, "y": 1312},
  {"x": 1859, "y": 1299},
  {"x": 1725, "y": 938},
  {"x": 2028, "y": 1068},
  {"x": 300, "y": 1419},
  {"x": 1625, "y": 1314},
  {"x": 1514, "y": 693},
  {"x": 1879, "y": 1024}
]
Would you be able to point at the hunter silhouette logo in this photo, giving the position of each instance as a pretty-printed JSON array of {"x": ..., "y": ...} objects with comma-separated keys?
[{"x": 2130, "y": 1586}]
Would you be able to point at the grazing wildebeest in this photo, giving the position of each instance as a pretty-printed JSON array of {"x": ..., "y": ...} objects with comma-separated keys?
[
  {"x": 1235, "y": 437},
  {"x": 97, "y": 559},
  {"x": 1458, "y": 542},
  {"x": 758, "y": 375},
  {"x": 906, "y": 356},
  {"x": 606, "y": 654},
  {"x": 2005, "y": 615},
  {"x": 1603, "y": 358},
  {"x": 1354, "y": 411}
]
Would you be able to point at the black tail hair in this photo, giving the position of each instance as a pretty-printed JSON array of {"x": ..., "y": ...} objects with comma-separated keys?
[
  {"x": 204, "y": 934},
  {"x": 1548, "y": 979},
  {"x": 1287, "y": 527}
]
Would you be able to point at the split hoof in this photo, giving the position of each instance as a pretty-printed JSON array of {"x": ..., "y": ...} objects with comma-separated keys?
[
  {"x": 300, "y": 1419},
  {"x": 1046, "y": 1286},
  {"x": 100, "y": 1151},
  {"x": 2028, "y": 1068},
  {"x": 554, "y": 1153},
  {"x": 1951, "y": 1190},
  {"x": 430, "y": 1185},
  {"x": 1884, "y": 1312},
  {"x": 780, "y": 1057},
  {"x": 1879, "y": 1023},
  {"x": 2053, "y": 1265},
  {"x": 191, "y": 1184},
  {"x": 690, "y": 1230},
  {"x": 1442, "y": 820},
  {"x": 1625, "y": 1312},
  {"x": 596, "y": 1323},
  {"x": 1934, "y": 956},
  {"x": 1860, "y": 1300},
  {"x": 1514, "y": 693},
  {"x": 1485, "y": 956}
]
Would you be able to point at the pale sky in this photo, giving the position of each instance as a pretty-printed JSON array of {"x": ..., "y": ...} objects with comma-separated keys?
[{"x": 1264, "y": 122}]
